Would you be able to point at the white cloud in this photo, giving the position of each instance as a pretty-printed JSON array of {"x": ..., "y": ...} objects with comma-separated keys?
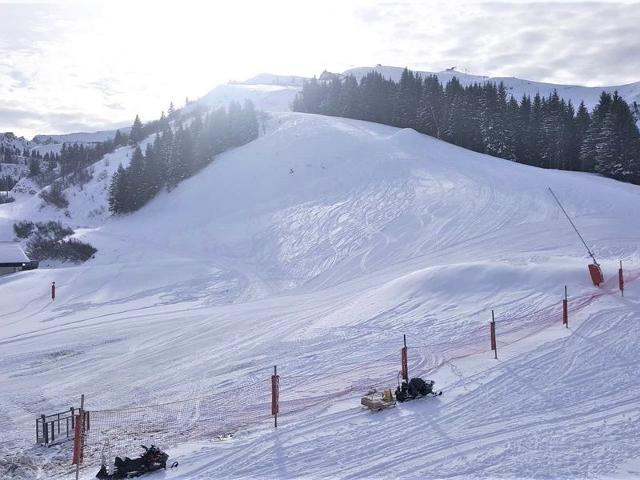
[{"x": 115, "y": 59}]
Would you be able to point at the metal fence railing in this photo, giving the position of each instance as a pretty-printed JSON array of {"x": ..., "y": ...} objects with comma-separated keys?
[{"x": 57, "y": 427}]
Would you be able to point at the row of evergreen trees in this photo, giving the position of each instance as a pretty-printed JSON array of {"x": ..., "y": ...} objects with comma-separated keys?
[
  {"x": 73, "y": 158},
  {"x": 546, "y": 132},
  {"x": 178, "y": 153},
  {"x": 12, "y": 154}
]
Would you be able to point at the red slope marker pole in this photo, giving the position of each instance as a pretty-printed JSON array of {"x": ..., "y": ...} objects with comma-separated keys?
[
  {"x": 275, "y": 395},
  {"x": 494, "y": 343},
  {"x": 78, "y": 438},
  {"x": 405, "y": 364},
  {"x": 565, "y": 309},
  {"x": 621, "y": 279},
  {"x": 53, "y": 290}
]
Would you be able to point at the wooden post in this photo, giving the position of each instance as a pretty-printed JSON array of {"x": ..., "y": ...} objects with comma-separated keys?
[
  {"x": 565, "y": 309},
  {"x": 275, "y": 396},
  {"x": 404, "y": 360},
  {"x": 621, "y": 279},
  {"x": 78, "y": 440},
  {"x": 494, "y": 342},
  {"x": 45, "y": 435}
]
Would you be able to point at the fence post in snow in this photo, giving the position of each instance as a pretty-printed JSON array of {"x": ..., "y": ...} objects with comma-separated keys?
[
  {"x": 45, "y": 433},
  {"x": 565, "y": 309},
  {"x": 494, "y": 343},
  {"x": 275, "y": 395},
  {"x": 78, "y": 438},
  {"x": 621, "y": 279},
  {"x": 405, "y": 364}
]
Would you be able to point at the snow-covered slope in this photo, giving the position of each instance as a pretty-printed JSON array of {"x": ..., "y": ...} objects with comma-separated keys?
[
  {"x": 315, "y": 248},
  {"x": 87, "y": 203},
  {"x": 10, "y": 140},
  {"x": 271, "y": 79},
  {"x": 270, "y": 97},
  {"x": 516, "y": 86}
]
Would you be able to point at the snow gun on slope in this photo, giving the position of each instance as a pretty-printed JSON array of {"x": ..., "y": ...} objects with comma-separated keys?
[{"x": 594, "y": 268}]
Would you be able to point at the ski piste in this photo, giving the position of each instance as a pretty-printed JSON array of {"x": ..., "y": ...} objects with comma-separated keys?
[{"x": 379, "y": 232}]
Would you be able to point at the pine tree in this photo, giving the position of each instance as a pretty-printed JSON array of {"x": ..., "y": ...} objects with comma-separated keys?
[
  {"x": 581, "y": 126},
  {"x": 453, "y": 125},
  {"x": 136, "y": 135},
  {"x": 136, "y": 181},
  {"x": 430, "y": 113},
  {"x": 330, "y": 105},
  {"x": 117, "y": 139},
  {"x": 408, "y": 94},
  {"x": 250, "y": 129},
  {"x": 34, "y": 167},
  {"x": 116, "y": 191}
]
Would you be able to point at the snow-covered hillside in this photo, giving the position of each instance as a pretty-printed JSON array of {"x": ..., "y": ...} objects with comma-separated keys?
[
  {"x": 316, "y": 247},
  {"x": 267, "y": 97},
  {"x": 270, "y": 79}
]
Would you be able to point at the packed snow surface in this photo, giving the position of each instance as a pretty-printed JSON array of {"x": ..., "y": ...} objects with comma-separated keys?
[{"x": 316, "y": 247}]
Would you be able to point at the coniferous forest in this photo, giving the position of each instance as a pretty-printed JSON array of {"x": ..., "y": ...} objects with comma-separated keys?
[
  {"x": 546, "y": 132},
  {"x": 178, "y": 152}
]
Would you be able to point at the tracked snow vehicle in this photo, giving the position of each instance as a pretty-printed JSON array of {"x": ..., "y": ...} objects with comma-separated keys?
[
  {"x": 415, "y": 388},
  {"x": 151, "y": 460}
]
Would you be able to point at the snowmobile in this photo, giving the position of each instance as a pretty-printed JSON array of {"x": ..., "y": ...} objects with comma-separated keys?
[
  {"x": 151, "y": 460},
  {"x": 415, "y": 388}
]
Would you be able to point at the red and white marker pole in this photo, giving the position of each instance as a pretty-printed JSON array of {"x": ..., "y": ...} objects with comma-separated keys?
[
  {"x": 565, "y": 309},
  {"x": 494, "y": 343},
  {"x": 275, "y": 395}
]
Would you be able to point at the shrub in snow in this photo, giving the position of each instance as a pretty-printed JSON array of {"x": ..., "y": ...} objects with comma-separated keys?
[
  {"x": 23, "y": 229},
  {"x": 47, "y": 241},
  {"x": 52, "y": 230},
  {"x": 55, "y": 196},
  {"x": 72, "y": 250}
]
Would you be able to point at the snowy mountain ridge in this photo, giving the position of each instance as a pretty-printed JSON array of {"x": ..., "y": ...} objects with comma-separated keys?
[
  {"x": 276, "y": 92},
  {"x": 515, "y": 86}
]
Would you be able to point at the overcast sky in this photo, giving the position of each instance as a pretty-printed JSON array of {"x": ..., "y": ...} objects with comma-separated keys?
[{"x": 85, "y": 66}]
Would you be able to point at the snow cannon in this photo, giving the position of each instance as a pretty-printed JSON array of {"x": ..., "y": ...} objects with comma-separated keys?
[
  {"x": 594, "y": 268},
  {"x": 596, "y": 274}
]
